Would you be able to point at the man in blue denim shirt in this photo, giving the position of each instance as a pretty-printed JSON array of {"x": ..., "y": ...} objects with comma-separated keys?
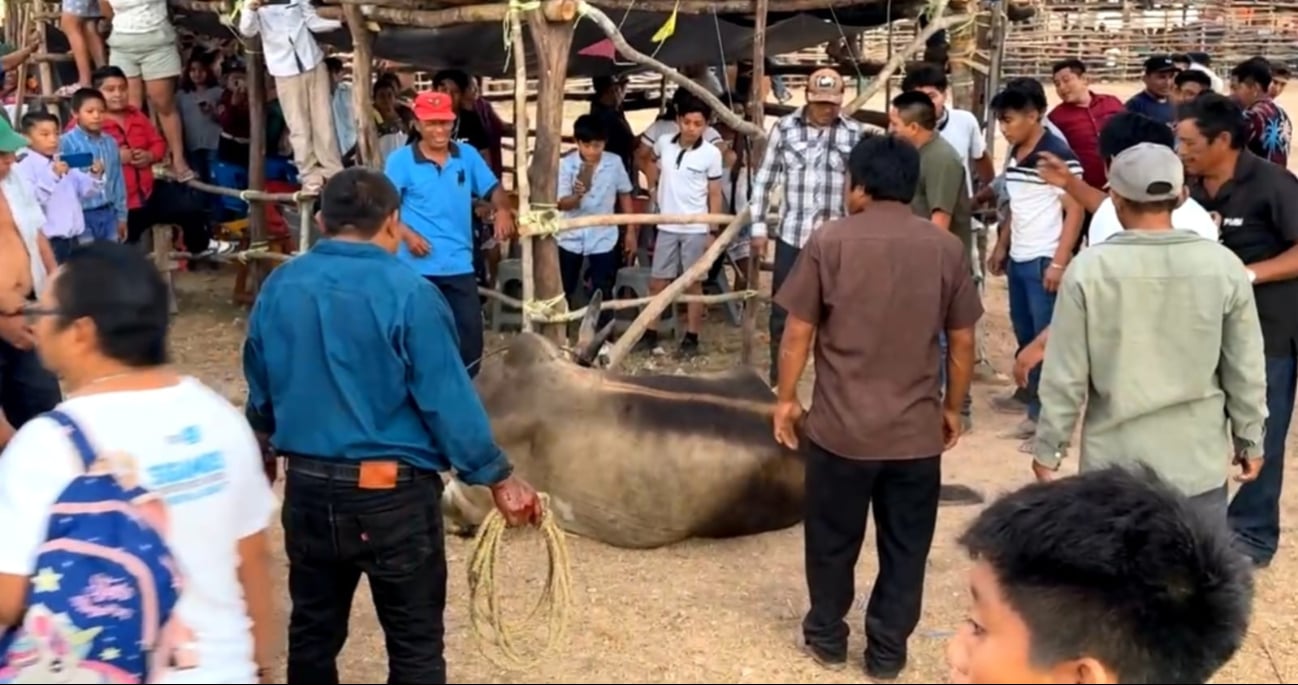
[{"x": 355, "y": 376}]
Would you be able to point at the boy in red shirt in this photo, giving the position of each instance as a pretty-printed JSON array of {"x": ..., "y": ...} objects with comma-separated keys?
[{"x": 139, "y": 142}]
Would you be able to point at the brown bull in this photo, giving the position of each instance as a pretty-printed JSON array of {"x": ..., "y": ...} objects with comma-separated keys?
[{"x": 634, "y": 461}]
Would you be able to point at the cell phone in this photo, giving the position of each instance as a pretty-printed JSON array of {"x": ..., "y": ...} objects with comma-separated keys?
[{"x": 78, "y": 160}]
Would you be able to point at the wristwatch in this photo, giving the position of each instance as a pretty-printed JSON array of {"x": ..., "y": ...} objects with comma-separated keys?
[{"x": 1252, "y": 275}]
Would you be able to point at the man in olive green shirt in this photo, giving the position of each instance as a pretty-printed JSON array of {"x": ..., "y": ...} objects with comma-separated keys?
[
  {"x": 942, "y": 195},
  {"x": 1155, "y": 331}
]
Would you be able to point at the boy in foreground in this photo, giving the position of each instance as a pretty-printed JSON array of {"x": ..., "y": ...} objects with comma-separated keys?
[{"x": 1105, "y": 577}]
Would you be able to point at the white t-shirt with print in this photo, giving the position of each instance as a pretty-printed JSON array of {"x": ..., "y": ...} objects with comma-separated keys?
[
  {"x": 962, "y": 131},
  {"x": 683, "y": 180},
  {"x": 194, "y": 449},
  {"x": 1190, "y": 216},
  {"x": 669, "y": 127}
]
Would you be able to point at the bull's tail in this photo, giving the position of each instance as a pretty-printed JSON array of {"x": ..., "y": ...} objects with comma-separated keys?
[{"x": 954, "y": 494}]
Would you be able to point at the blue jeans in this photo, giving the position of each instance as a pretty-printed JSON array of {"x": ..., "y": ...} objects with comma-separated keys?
[
  {"x": 1254, "y": 514},
  {"x": 101, "y": 223},
  {"x": 1030, "y": 310},
  {"x": 966, "y": 407}
]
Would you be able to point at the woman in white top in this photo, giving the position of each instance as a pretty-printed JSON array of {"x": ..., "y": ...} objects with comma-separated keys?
[{"x": 143, "y": 45}]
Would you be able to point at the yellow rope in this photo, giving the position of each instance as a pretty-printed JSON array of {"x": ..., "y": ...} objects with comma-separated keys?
[
  {"x": 540, "y": 220},
  {"x": 484, "y": 594}
]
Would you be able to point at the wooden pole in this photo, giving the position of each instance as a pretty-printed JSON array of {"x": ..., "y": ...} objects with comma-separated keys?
[
  {"x": 256, "y": 154},
  {"x": 723, "y": 112},
  {"x": 521, "y": 183},
  {"x": 962, "y": 46},
  {"x": 664, "y": 299},
  {"x": 553, "y": 43},
  {"x": 756, "y": 112},
  {"x": 916, "y": 46},
  {"x": 367, "y": 138}
]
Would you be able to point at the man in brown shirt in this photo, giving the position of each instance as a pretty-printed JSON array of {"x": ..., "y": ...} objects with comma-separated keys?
[{"x": 875, "y": 290}]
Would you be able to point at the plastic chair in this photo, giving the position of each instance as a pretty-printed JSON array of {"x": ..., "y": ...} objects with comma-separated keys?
[
  {"x": 636, "y": 280},
  {"x": 508, "y": 273}
]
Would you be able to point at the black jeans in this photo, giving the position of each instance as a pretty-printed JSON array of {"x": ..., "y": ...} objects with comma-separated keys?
[
  {"x": 333, "y": 532},
  {"x": 840, "y": 492},
  {"x": 26, "y": 388},
  {"x": 461, "y": 293},
  {"x": 601, "y": 269},
  {"x": 785, "y": 257}
]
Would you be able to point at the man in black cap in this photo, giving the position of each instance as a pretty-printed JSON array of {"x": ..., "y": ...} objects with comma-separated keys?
[{"x": 1155, "y": 101}]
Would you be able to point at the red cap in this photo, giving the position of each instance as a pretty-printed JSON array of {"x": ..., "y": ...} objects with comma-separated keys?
[{"x": 431, "y": 105}]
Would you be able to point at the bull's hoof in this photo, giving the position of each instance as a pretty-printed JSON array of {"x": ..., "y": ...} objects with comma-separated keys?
[{"x": 959, "y": 495}]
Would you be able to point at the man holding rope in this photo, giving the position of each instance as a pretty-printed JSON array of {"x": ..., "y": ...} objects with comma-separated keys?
[{"x": 354, "y": 375}]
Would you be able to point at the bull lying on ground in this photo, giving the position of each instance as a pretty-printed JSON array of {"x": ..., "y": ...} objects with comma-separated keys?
[{"x": 634, "y": 461}]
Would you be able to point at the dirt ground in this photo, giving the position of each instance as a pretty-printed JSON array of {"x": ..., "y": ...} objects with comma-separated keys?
[{"x": 719, "y": 611}]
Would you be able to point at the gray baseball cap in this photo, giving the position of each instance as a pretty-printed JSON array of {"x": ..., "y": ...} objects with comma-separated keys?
[{"x": 1147, "y": 172}]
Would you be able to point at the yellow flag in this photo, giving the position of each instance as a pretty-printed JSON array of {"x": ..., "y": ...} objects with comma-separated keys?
[{"x": 668, "y": 28}]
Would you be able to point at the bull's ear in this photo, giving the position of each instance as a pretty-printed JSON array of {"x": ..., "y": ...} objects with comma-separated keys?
[{"x": 586, "y": 333}]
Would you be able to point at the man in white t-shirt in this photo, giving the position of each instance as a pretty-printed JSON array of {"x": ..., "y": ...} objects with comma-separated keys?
[
  {"x": 101, "y": 325},
  {"x": 688, "y": 182}
]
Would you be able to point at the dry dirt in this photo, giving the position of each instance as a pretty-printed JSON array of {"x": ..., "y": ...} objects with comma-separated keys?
[{"x": 717, "y": 611}]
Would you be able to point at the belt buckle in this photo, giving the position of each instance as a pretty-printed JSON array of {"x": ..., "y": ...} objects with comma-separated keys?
[{"x": 378, "y": 475}]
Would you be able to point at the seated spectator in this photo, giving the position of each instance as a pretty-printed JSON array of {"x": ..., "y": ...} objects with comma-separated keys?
[{"x": 1105, "y": 577}]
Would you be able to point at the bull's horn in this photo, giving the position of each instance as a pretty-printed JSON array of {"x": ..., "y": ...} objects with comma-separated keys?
[{"x": 586, "y": 333}]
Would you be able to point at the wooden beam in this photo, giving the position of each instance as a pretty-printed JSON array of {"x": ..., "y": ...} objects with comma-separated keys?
[
  {"x": 554, "y": 10},
  {"x": 367, "y": 131},
  {"x": 257, "y": 76},
  {"x": 719, "y": 108},
  {"x": 756, "y": 112},
  {"x": 552, "y": 43}
]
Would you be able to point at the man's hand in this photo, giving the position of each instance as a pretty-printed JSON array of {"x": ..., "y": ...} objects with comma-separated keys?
[
  {"x": 505, "y": 227},
  {"x": 630, "y": 244},
  {"x": 996, "y": 262},
  {"x": 1053, "y": 277},
  {"x": 517, "y": 501},
  {"x": 950, "y": 427},
  {"x": 122, "y": 232},
  {"x": 1044, "y": 474},
  {"x": 578, "y": 188},
  {"x": 1053, "y": 170},
  {"x": 415, "y": 243},
  {"x": 1028, "y": 358},
  {"x": 1248, "y": 468},
  {"x": 15, "y": 331},
  {"x": 787, "y": 416}
]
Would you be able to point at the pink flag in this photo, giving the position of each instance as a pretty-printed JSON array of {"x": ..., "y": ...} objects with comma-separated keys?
[{"x": 603, "y": 48}]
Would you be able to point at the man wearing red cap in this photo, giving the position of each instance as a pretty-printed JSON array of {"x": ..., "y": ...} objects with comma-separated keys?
[{"x": 439, "y": 181}]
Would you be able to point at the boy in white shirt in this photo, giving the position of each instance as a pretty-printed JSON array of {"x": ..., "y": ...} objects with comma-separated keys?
[
  {"x": 688, "y": 182},
  {"x": 101, "y": 324}
]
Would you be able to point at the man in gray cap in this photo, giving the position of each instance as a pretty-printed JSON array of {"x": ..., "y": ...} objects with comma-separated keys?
[{"x": 1156, "y": 335}]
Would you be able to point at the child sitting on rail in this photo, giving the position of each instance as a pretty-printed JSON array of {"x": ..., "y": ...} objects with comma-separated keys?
[{"x": 1106, "y": 577}]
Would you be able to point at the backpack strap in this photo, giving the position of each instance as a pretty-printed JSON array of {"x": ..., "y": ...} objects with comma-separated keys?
[{"x": 76, "y": 435}]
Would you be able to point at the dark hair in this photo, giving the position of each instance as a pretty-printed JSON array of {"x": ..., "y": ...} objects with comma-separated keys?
[
  {"x": 925, "y": 76},
  {"x": 1018, "y": 96},
  {"x": 357, "y": 200},
  {"x": 1253, "y": 70},
  {"x": 1200, "y": 58},
  {"x": 37, "y": 117},
  {"x": 1116, "y": 565},
  {"x": 1215, "y": 114},
  {"x": 334, "y": 65},
  {"x": 456, "y": 76},
  {"x": 885, "y": 167},
  {"x": 1180, "y": 58},
  {"x": 1279, "y": 71},
  {"x": 206, "y": 59},
  {"x": 119, "y": 289},
  {"x": 1126, "y": 130},
  {"x": 693, "y": 105},
  {"x": 916, "y": 107},
  {"x": 1074, "y": 65},
  {"x": 589, "y": 129},
  {"x": 84, "y": 95},
  {"x": 1193, "y": 76},
  {"x": 102, "y": 74}
]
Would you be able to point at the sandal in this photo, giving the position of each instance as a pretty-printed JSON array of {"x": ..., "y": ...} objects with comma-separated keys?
[{"x": 186, "y": 176}]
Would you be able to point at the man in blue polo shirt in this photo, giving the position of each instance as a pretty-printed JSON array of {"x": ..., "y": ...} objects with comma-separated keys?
[
  {"x": 1155, "y": 101},
  {"x": 439, "y": 180}
]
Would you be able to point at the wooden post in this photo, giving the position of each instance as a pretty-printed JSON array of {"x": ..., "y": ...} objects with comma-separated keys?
[
  {"x": 553, "y": 42},
  {"x": 962, "y": 46},
  {"x": 161, "y": 238},
  {"x": 367, "y": 138},
  {"x": 256, "y": 156},
  {"x": 522, "y": 184},
  {"x": 756, "y": 148}
]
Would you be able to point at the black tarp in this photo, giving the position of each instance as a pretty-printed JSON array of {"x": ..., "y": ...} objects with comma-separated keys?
[{"x": 699, "y": 38}]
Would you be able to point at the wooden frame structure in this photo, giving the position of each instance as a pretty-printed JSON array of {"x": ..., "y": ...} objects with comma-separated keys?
[{"x": 550, "y": 25}]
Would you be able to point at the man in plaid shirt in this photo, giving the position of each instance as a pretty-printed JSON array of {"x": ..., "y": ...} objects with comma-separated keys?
[{"x": 806, "y": 155}]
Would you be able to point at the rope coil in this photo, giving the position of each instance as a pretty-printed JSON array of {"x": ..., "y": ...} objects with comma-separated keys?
[{"x": 484, "y": 593}]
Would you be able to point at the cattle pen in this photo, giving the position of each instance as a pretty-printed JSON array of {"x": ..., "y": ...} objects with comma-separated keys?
[{"x": 551, "y": 26}]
